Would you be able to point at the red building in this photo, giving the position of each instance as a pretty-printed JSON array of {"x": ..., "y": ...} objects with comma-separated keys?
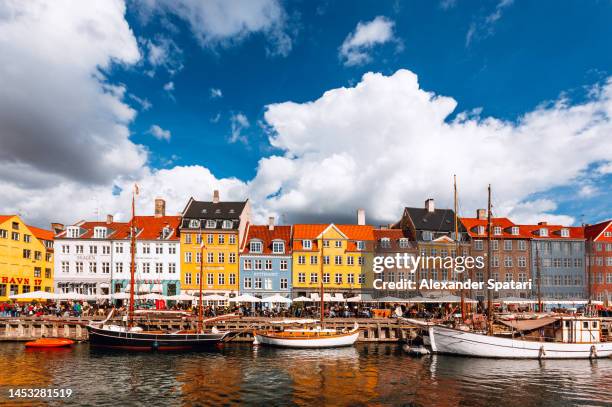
[{"x": 599, "y": 260}]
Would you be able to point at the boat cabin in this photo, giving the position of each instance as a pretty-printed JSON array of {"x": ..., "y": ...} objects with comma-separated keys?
[{"x": 577, "y": 330}]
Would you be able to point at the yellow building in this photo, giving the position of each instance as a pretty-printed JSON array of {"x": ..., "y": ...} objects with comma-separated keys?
[
  {"x": 346, "y": 253},
  {"x": 215, "y": 229},
  {"x": 26, "y": 258}
]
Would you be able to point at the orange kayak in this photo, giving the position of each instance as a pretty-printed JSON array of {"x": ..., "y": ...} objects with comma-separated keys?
[{"x": 49, "y": 343}]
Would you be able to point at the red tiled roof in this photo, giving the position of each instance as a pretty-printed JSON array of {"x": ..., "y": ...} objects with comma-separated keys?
[
  {"x": 392, "y": 234},
  {"x": 471, "y": 225},
  {"x": 149, "y": 227},
  {"x": 266, "y": 235},
  {"x": 42, "y": 234},
  {"x": 312, "y": 231},
  {"x": 592, "y": 232},
  {"x": 4, "y": 218},
  {"x": 554, "y": 231}
]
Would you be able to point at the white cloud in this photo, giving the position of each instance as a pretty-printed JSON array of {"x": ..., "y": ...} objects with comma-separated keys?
[
  {"x": 484, "y": 27},
  {"x": 239, "y": 122},
  {"x": 163, "y": 52},
  {"x": 536, "y": 211},
  {"x": 215, "y": 93},
  {"x": 220, "y": 22},
  {"x": 159, "y": 133},
  {"x": 356, "y": 48},
  {"x": 447, "y": 4},
  {"x": 169, "y": 87}
]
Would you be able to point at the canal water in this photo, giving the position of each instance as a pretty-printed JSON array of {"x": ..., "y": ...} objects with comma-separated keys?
[{"x": 242, "y": 374}]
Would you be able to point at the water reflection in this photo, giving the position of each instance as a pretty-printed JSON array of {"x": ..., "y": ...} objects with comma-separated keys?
[{"x": 364, "y": 375}]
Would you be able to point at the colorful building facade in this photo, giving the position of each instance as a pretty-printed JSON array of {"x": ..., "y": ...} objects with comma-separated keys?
[
  {"x": 599, "y": 260},
  {"x": 26, "y": 258},
  {"x": 390, "y": 243},
  {"x": 265, "y": 261},
  {"x": 215, "y": 230}
]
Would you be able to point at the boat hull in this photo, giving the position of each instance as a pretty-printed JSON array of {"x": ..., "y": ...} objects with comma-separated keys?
[
  {"x": 457, "y": 342},
  {"x": 46, "y": 343},
  {"x": 336, "y": 341},
  {"x": 143, "y": 341}
]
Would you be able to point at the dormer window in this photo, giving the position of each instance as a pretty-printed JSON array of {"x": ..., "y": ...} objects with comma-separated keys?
[
  {"x": 403, "y": 243},
  {"x": 497, "y": 230},
  {"x": 278, "y": 247},
  {"x": 73, "y": 232},
  {"x": 99, "y": 232},
  {"x": 232, "y": 211},
  {"x": 217, "y": 210},
  {"x": 256, "y": 247},
  {"x": 307, "y": 244},
  {"x": 386, "y": 242},
  {"x": 543, "y": 232},
  {"x": 227, "y": 224},
  {"x": 427, "y": 235},
  {"x": 565, "y": 232},
  {"x": 211, "y": 224},
  {"x": 194, "y": 224},
  {"x": 481, "y": 230},
  {"x": 515, "y": 230},
  {"x": 165, "y": 232},
  {"x": 204, "y": 210},
  {"x": 360, "y": 245}
]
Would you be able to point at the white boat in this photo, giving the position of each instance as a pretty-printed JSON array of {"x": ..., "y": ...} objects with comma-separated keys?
[
  {"x": 315, "y": 337},
  {"x": 550, "y": 338}
]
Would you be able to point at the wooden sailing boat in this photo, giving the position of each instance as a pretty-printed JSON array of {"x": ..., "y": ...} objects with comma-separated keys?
[
  {"x": 314, "y": 337},
  {"x": 543, "y": 338},
  {"x": 133, "y": 337}
]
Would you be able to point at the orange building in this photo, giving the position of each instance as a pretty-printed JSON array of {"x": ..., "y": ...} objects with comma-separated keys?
[{"x": 599, "y": 260}]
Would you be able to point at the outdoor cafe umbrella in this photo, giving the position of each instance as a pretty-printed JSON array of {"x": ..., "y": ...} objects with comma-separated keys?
[
  {"x": 153, "y": 297},
  {"x": 302, "y": 299},
  {"x": 72, "y": 296},
  {"x": 181, "y": 297},
  {"x": 277, "y": 298},
  {"x": 245, "y": 298},
  {"x": 42, "y": 295}
]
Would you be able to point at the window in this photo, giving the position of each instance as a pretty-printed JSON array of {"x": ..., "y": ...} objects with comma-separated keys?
[
  {"x": 47, "y": 273},
  {"x": 227, "y": 224},
  {"x": 210, "y": 279},
  {"x": 247, "y": 282},
  {"x": 385, "y": 242},
  {"x": 268, "y": 264},
  {"x": 360, "y": 245},
  {"x": 507, "y": 245},
  {"x": 326, "y": 278},
  {"x": 37, "y": 271},
  {"x": 146, "y": 268},
  {"x": 403, "y": 243},
  {"x": 221, "y": 279},
  {"x": 232, "y": 279},
  {"x": 232, "y": 239},
  {"x": 350, "y": 260},
  {"x": 258, "y": 283},
  {"x": 232, "y": 258},
  {"x": 427, "y": 235},
  {"x": 543, "y": 232},
  {"x": 256, "y": 247},
  {"x": 65, "y": 267},
  {"x": 325, "y": 243},
  {"x": 361, "y": 260},
  {"x": 302, "y": 259},
  {"x": 93, "y": 249},
  {"x": 494, "y": 244},
  {"x": 508, "y": 277},
  {"x": 338, "y": 278},
  {"x": 565, "y": 232},
  {"x": 211, "y": 224},
  {"x": 278, "y": 247},
  {"x": 338, "y": 260},
  {"x": 198, "y": 258},
  {"x": 119, "y": 248},
  {"x": 79, "y": 249},
  {"x": 314, "y": 259},
  {"x": 284, "y": 283},
  {"x": 578, "y": 263},
  {"x": 350, "y": 278},
  {"x": 515, "y": 230},
  {"x": 198, "y": 238},
  {"x": 221, "y": 257},
  {"x": 325, "y": 259},
  {"x": 522, "y": 245},
  {"x": 79, "y": 266},
  {"x": 608, "y": 234},
  {"x": 268, "y": 283},
  {"x": 172, "y": 249},
  {"x": 187, "y": 278},
  {"x": 522, "y": 261},
  {"x": 307, "y": 244},
  {"x": 221, "y": 239},
  {"x": 188, "y": 238},
  {"x": 93, "y": 267},
  {"x": 194, "y": 223},
  {"x": 301, "y": 277},
  {"x": 73, "y": 231},
  {"x": 495, "y": 261},
  {"x": 362, "y": 278},
  {"x": 284, "y": 265},
  {"x": 27, "y": 253},
  {"x": 314, "y": 277},
  {"x": 497, "y": 230},
  {"x": 159, "y": 249},
  {"x": 478, "y": 245},
  {"x": 99, "y": 232},
  {"x": 338, "y": 244},
  {"x": 159, "y": 268},
  {"x": 27, "y": 238},
  {"x": 508, "y": 261},
  {"x": 3, "y": 235},
  {"x": 172, "y": 268},
  {"x": 146, "y": 249},
  {"x": 105, "y": 267},
  {"x": 247, "y": 264},
  {"x": 187, "y": 257},
  {"x": 210, "y": 238},
  {"x": 258, "y": 264}
]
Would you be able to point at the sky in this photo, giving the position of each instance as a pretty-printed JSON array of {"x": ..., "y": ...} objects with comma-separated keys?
[{"x": 309, "y": 109}]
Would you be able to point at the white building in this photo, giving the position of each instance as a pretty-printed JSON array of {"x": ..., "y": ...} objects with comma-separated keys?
[{"x": 94, "y": 257}]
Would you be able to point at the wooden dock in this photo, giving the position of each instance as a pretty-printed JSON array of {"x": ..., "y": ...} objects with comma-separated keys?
[{"x": 26, "y": 329}]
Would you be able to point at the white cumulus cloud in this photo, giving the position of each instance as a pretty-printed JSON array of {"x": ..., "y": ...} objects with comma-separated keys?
[
  {"x": 159, "y": 133},
  {"x": 356, "y": 48}
]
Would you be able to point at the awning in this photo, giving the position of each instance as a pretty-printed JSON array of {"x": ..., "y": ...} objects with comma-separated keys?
[{"x": 528, "y": 324}]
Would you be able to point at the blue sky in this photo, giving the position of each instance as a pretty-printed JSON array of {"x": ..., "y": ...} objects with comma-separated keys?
[{"x": 497, "y": 59}]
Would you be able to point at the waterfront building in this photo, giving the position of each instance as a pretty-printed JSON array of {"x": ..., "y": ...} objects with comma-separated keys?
[
  {"x": 433, "y": 230},
  {"x": 265, "y": 260},
  {"x": 26, "y": 258},
  {"x": 599, "y": 260},
  {"x": 157, "y": 257},
  {"x": 347, "y": 258},
  {"x": 391, "y": 243},
  {"x": 560, "y": 252},
  {"x": 510, "y": 252},
  {"x": 220, "y": 226}
]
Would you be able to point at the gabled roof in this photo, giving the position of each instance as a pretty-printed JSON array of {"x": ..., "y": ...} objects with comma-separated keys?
[
  {"x": 472, "y": 224},
  {"x": 267, "y": 236},
  {"x": 595, "y": 232},
  {"x": 41, "y": 234},
  {"x": 554, "y": 231},
  {"x": 440, "y": 220},
  {"x": 312, "y": 231},
  {"x": 148, "y": 227},
  {"x": 225, "y": 210},
  {"x": 4, "y": 218},
  {"x": 88, "y": 229},
  {"x": 391, "y": 234}
]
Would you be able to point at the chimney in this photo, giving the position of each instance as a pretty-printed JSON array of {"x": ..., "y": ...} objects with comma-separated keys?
[
  {"x": 481, "y": 214},
  {"x": 109, "y": 219},
  {"x": 429, "y": 205},
  {"x": 542, "y": 223},
  {"x": 271, "y": 223},
  {"x": 216, "y": 196},
  {"x": 57, "y": 227},
  {"x": 160, "y": 207},
  {"x": 361, "y": 217}
]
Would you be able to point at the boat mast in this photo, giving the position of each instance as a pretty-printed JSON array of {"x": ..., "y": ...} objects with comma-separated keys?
[
  {"x": 539, "y": 277},
  {"x": 132, "y": 259},
  {"x": 457, "y": 249},
  {"x": 322, "y": 290},
  {"x": 489, "y": 260},
  {"x": 201, "y": 307}
]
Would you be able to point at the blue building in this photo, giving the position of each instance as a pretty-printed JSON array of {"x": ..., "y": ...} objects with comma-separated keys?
[
  {"x": 560, "y": 251},
  {"x": 265, "y": 261}
]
